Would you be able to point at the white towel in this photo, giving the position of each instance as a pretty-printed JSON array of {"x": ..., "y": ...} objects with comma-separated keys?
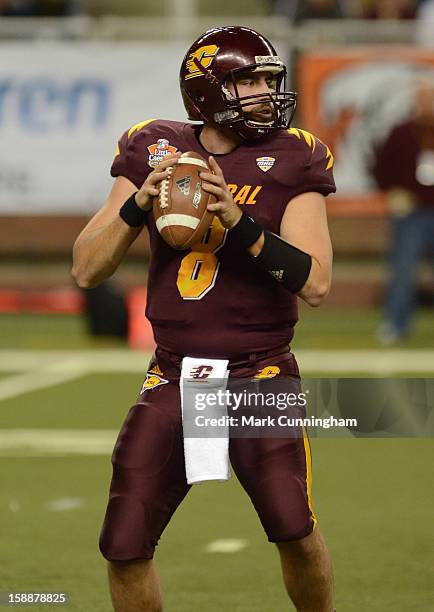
[{"x": 206, "y": 458}]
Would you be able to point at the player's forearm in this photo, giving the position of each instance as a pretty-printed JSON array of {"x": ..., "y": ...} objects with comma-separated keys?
[
  {"x": 294, "y": 269},
  {"x": 98, "y": 253},
  {"x": 317, "y": 286}
]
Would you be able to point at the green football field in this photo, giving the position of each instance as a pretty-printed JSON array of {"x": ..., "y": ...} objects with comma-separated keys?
[{"x": 62, "y": 400}]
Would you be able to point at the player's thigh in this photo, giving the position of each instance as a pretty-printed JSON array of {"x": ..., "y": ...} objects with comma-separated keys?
[
  {"x": 149, "y": 479},
  {"x": 151, "y": 432},
  {"x": 276, "y": 474}
]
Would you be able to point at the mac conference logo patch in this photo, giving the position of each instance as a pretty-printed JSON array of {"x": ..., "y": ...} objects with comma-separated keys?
[{"x": 265, "y": 163}]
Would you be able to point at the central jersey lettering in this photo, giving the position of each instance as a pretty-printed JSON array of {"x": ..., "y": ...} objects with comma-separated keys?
[{"x": 244, "y": 194}]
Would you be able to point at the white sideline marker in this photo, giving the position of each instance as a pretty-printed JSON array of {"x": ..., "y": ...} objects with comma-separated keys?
[
  {"x": 380, "y": 361},
  {"x": 39, "y": 369},
  {"x": 228, "y": 546}
]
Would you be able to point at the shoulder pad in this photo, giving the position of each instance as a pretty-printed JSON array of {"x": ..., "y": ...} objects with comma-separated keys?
[{"x": 313, "y": 142}]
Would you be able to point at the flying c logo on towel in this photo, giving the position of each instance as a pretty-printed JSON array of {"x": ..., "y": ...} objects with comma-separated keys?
[{"x": 201, "y": 371}]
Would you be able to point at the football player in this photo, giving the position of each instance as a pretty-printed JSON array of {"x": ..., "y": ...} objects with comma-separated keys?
[{"x": 232, "y": 296}]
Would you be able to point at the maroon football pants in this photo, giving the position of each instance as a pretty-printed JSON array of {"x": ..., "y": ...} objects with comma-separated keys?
[{"x": 149, "y": 479}]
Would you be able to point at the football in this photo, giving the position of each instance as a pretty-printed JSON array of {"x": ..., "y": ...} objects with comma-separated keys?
[{"x": 180, "y": 209}]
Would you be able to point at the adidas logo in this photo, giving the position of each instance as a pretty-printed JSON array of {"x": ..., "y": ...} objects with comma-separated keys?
[
  {"x": 184, "y": 185},
  {"x": 278, "y": 274}
]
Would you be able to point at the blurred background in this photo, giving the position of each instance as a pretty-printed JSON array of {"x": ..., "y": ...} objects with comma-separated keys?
[{"x": 74, "y": 74}]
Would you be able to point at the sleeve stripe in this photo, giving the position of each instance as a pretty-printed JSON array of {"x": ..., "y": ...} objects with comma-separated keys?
[
  {"x": 139, "y": 126},
  {"x": 330, "y": 158},
  {"x": 311, "y": 142},
  {"x": 294, "y": 132},
  {"x": 309, "y": 138}
]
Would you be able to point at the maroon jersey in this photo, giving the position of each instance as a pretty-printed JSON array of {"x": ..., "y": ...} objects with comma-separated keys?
[{"x": 212, "y": 300}]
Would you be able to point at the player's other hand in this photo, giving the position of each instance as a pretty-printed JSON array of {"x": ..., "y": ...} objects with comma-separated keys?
[
  {"x": 225, "y": 208},
  {"x": 150, "y": 187}
]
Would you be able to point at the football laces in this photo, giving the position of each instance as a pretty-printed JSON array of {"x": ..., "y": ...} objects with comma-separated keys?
[{"x": 164, "y": 190}]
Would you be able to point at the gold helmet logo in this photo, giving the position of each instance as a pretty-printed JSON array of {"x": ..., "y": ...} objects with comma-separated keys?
[{"x": 205, "y": 56}]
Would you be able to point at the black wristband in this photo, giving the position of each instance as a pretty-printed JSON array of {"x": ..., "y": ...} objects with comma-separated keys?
[
  {"x": 132, "y": 214},
  {"x": 246, "y": 232},
  {"x": 287, "y": 264}
]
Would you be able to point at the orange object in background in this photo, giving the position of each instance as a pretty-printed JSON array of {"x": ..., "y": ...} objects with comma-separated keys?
[
  {"x": 71, "y": 301},
  {"x": 49, "y": 301},
  {"x": 351, "y": 98},
  {"x": 140, "y": 336}
]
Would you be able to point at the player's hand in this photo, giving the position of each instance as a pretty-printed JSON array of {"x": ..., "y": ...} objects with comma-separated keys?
[
  {"x": 150, "y": 187},
  {"x": 225, "y": 208}
]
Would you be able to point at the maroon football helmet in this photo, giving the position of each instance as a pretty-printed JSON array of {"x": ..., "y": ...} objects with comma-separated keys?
[{"x": 217, "y": 58}]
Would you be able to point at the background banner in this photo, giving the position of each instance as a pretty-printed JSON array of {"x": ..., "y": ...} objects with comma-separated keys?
[{"x": 63, "y": 107}]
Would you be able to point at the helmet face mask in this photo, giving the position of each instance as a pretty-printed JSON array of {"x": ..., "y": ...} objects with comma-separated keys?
[
  {"x": 280, "y": 102},
  {"x": 209, "y": 79}
]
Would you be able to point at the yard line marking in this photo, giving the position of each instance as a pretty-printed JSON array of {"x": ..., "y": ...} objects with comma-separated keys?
[
  {"x": 375, "y": 361},
  {"x": 95, "y": 361},
  {"x": 229, "y": 545},
  {"x": 379, "y": 361},
  {"x": 56, "y": 442},
  {"x": 12, "y": 386}
]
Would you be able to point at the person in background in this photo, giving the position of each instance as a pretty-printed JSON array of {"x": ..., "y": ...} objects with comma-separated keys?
[
  {"x": 317, "y": 9},
  {"x": 19, "y": 8},
  {"x": 424, "y": 26},
  {"x": 389, "y": 9},
  {"x": 41, "y": 8},
  {"x": 404, "y": 168},
  {"x": 349, "y": 9},
  {"x": 284, "y": 8}
]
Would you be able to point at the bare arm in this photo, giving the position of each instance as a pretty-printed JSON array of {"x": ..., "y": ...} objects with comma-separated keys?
[
  {"x": 304, "y": 225},
  {"x": 103, "y": 243}
]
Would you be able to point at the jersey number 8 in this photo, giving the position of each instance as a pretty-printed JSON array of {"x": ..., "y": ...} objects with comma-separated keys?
[{"x": 198, "y": 270}]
